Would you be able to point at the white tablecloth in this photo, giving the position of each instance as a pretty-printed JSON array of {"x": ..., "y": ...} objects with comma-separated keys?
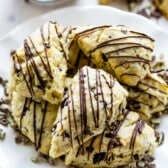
[{"x": 14, "y": 12}]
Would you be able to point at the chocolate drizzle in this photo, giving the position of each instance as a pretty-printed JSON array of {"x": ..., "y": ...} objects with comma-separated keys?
[
  {"x": 29, "y": 57},
  {"x": 85, "y": 33},
  {"x": 60, "y": 43},
  {"x": 101, "y": 90},
  {"x": 128, "y": 57},
  {"x": 89, "y": 31},
  {"x": 26, "y": 108},
  {"x": 96, "y": 121},
  {"x": 101, "y": 139},
  {"x": 103, "y": 44},
  {"x": 44, "y": 111},
  {"x": 131, "y": 61},
  {"x": 142, "y": 35},
  {"x": 111, "y": 84},
  {"x": 70, "y": 129},
  {"x": 137, "y": 45},
  {"x": 38, "y": 54},
  {"x": 83, "y": 111},
  {"x": 46, "y": 45},
  {"x": 28, "y": 83},
  {"x": 137, "y": 129},
  {"x": 97, "y": 93},
  {"x": 126, "y": 48},
  {"x": 24, "y": 111},
  {"x": 73, "y": 109},
  {"x": 34, "y": 125}
]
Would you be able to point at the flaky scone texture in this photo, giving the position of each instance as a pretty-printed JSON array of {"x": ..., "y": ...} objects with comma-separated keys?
[
  {"x": 35, "y": 120},
  {"x": 39, "y": 66},
  {"x": 93, "y": 99}
]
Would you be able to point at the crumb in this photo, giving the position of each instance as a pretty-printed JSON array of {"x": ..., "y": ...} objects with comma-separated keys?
[{"x": 2, "y": 134}]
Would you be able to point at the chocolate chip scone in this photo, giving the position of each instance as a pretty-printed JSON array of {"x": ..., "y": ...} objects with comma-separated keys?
[
  {"x": 39, "y": 66},
  {"x": 93, "y": 129},
  {"x": 122, "y": 144},
  {"x": 34, "y": 120},
  {"x": 93, "y": 100},
  {"x": 149, "y": 96},
  {"x": 118, "y": 50}
]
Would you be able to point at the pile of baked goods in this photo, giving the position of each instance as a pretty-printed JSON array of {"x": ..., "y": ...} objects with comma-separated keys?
[{"x": 88, "y": 93}]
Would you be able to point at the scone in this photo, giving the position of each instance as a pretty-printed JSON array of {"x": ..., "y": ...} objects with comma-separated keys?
[
  {"x": 149, "y": 96},
  {"x": 123, "y": 143},
  {"x": 93, "y": 100},
  {"x": 75, "y": 57},
  {"x": 34, "y": 119},
  {"x": 118, "y": 50},
  {"x": 162, "y": 5},
  {"x": 81, "y": 61},
  {"x": 39, "y": 66}
]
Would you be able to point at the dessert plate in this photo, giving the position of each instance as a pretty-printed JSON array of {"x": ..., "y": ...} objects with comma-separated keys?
[{"x": 18, "y": 156}]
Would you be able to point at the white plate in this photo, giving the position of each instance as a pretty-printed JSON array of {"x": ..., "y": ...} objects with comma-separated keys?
[{"x": 18, "y": 156}]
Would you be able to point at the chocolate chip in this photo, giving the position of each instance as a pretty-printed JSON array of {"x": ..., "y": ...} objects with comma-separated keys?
[
  {"x": 18, "y": 139},
  {"x": 98, "y": 157},
  {"x": 156, "y": 14},
  {"x": 2, "y": 134},
  {"x": 109, "y": 135},
  {"x": 134, "y": 104},
  {"x": 105, "y": 104},
  {"x": 66, "y": 134},
  {"x": 70, "y": 72},
  {"x": 87, "y": 131},
  {"x": 59, "y": 35},
  {"x": 47, "y": 45},
  {"x": 136, "y": 156},
  {"x": 104, "y": 58}
]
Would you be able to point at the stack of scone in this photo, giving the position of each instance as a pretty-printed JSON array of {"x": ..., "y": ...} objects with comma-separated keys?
[{"x": 80, "y": 92}]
